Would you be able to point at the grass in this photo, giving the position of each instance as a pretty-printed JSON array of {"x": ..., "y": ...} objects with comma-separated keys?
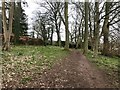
[
  {"x": 25, "y": 79},
  {"x": 111, "y": 65},
  {"x": 104, "y": 62},
  {"x": 24, "y": 61}
]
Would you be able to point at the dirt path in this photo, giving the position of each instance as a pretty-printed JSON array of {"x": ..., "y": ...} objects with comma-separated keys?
[{"x": 74, "y": 71}]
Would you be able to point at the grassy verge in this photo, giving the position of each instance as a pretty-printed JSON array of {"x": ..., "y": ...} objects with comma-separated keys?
[
  {"x": 22, "y": 62},
  {"x": 110, "y": 64},
  {"x": 104, "y": 62}
]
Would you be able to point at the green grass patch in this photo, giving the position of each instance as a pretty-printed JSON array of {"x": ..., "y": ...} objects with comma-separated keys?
[
  {"x": 37, "y": 55},
  {"x": 104, "y": 62},
  {"x": 26, "y": 79},
  {"x": 22, "y": 60},
  {"x": 111, "y": 65}
]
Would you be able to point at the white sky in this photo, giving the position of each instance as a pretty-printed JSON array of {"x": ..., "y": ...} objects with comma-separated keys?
[{"x": 32, "y": 6}]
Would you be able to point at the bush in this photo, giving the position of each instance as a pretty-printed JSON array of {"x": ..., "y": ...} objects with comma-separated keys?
[{"x": 35, "y": 41}]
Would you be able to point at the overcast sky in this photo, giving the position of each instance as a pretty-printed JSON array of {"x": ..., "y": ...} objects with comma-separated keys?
[{"x": 32, "y": 6}]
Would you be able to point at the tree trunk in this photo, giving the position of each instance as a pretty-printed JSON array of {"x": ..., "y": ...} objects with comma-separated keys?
[
  {"x": 58, "y": 32},
  {"x": 86, "y": 29},
  {"x": 97, "y": 26},
  {"x": 106, "y": 30},
  {"x": 82, "y": 35},
  {"x": 75, "y": 33},
  {"x": 4, "y": 25},
  {"x": 91, "y": 31},
  {"x": 44, "y": 33},
  {"x": 7, "y": 32},
  {"x": 51, "y": 38},
  {"x": 66, "y": 26},
  {"x": 79, "y": 40}
]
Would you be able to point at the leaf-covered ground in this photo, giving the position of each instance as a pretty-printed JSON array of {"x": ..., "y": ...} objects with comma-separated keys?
[{"x": 19, "y": 65}]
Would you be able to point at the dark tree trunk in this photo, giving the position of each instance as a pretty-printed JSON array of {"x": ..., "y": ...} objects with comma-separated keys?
[
  {"x": 51, "y": 38},
  {"x": 57, "y": 31},
  {"x": 106, "y": 30},
  {"x": 97, "y": 26},
  {"x": 86, "y": 29},
  {"x": 66, "y": 27}
]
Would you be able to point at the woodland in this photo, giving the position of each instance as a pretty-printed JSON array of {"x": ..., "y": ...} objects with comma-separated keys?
[{"x": 88, "y": 57}]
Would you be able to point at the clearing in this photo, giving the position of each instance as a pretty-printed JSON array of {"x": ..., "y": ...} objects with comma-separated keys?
[{"x": 25, "y": 70}]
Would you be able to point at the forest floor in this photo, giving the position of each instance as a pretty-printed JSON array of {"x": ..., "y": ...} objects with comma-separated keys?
[{"x": 73, "y": 71}]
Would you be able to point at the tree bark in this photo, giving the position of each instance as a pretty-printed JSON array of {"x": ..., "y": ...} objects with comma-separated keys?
[
  {"x": 86, "y": 29},
  {"x": 97, "y": 26},
  {"x": 90, "y": 26},
  {"x": 4, "y": 24},
  {"x": 44, "y": 33},
  {"x": 7, "y": 31},
  {"x": 106, "y": 30},
  {"x": 51, "y": 37},
  {"x": 79, "y": 40},
  {"x": 66, "y": 26},
  {"x": 57, "y": 30}
]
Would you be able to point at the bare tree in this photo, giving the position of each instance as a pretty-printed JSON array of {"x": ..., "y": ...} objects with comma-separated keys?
[
  {"x": 41, "y": 27},
  {"x": 7, "y": 29},
  {"x": 53, "y": 9}
]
